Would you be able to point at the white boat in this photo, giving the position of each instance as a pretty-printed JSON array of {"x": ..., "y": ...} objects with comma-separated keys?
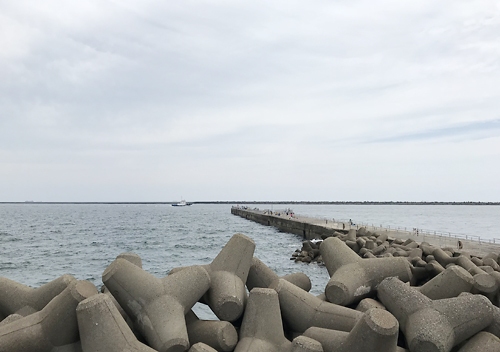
[{"x": 182, "y": 203}]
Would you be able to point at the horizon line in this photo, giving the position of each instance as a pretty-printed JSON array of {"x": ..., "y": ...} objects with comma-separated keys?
[{"x": 369, "y": 202}]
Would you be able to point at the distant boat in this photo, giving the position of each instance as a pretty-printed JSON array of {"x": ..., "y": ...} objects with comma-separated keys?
[{"x": 182, "y": 203}]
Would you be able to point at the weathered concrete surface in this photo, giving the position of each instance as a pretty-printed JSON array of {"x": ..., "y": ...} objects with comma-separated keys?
[
  {"x": 450, "y": 283},
  {"x": 262, "y": 328},
  {"x": 353, "y": 278},
  {"x": 102, "y": 328},
  {"x": 16, "y": 298},
  {"x": 306, "y": 344},
  {"x": 434, "y": 326},
  {"x": 157, "y": 306},
  {"x": 260, "y": 275},
  {"x": 376, "y": 331},
  {"x": 220, "y": 335},
  {"x": 301, "y": 310},
  {"x": 54, "y": 327},
  {"x": 228, "y": 273},
  {"x": 482, "y": 342}
]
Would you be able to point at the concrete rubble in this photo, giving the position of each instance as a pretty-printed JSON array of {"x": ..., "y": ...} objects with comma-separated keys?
[{"x": 384, "y": 295}]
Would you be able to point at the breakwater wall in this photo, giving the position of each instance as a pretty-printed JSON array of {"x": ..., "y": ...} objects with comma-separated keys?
[
  {"x": 286, "y": 223},
  {"x": 315, "y": 228}
]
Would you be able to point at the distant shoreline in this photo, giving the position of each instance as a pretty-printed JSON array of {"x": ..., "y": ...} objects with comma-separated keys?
[{"x": 278, "y": 202}]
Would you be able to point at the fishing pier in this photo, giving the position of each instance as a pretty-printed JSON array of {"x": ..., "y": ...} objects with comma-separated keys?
[{"x": 316, "y": 228}]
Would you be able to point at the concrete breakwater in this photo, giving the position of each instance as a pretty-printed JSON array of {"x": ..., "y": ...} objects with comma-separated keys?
[
  {"x": 315, "y": 228},
  {"x": 367, "y": 306},
  {"x": 307, "y": 228}
]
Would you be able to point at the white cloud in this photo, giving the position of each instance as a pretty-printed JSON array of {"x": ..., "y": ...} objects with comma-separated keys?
[{"x": 314, "y": 100}]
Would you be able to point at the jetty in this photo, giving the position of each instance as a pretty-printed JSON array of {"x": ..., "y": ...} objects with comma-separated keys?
[{"x": 310, "y": 228}]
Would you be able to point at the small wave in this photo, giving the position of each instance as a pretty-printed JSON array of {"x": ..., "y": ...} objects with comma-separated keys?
[
  {"x": 11, "y": 239},
  {"x": 8, "y": 265}
]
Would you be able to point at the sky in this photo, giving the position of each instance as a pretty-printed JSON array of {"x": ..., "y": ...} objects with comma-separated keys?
[{"x": 256, "y": 100}]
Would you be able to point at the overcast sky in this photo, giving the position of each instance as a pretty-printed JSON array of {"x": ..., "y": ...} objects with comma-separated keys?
[{"x": 256, "y": 100}]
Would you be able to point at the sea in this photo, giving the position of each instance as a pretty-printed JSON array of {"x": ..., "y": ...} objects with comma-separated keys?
[{"x": 41, "y": 242}]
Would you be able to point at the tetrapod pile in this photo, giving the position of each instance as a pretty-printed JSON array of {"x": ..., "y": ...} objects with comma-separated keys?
[{"x": 369, "y": 304}]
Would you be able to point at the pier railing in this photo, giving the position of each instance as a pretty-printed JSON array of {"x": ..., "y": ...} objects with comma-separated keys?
[{"x": 423, "y": 233}]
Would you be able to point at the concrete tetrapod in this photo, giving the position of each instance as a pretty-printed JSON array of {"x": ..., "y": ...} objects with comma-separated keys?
[
  {"x": 262, "y": 328},
  {"x": 482, "y": 342},
  {"x": 157, "y": 306},
  {"x": 228, "y": 273},
  {"x": 353, "y": 278},
  {"x": 301, "y": 310},
  {"x": 376, "y": 331},
  {"x": 10, "y": 319},
  {"x": 494, "y": 327},
  {"x": 24, "y": 300},
  {"x": 483, "y": 282},
  {"x": 220, "y": 335},
  {"x": 306, "y": 344},
  {"x": 136, "y": 260},
  {"x": 51, "y": 328},
  {"x": 131, "y": 257},
  {"x": 450, "y": 283},
  {"x": 102, "y": 328},
  {"x": 201, "y": 347},
  {"x": 260, "y": 275},
  {"x": 369, "y": 303},
  {"x": 438, "y": 325}
]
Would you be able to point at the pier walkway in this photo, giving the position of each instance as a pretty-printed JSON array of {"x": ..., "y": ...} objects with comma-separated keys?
[{"x": 311, "y": 228}]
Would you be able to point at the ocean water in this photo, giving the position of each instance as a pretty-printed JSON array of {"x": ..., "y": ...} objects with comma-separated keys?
[{"x": 41, "y": 242}]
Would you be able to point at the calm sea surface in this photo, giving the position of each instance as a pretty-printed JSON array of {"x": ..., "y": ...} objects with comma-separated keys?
[{"x": 41, "y": 242}]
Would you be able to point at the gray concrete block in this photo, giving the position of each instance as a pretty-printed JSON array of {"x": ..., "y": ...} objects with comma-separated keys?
[
  {"x": 72, "y": 347},
  {"x": 228, "y": 273},
  {"x": 443, "y": 258},
  {"x": 131, "y": 257},
  {"x": 434, "y": 325},
  {"x": 415, "y": 253},
  {"x": 477, "y": 261},
  {"x": 426, "y": 248},
  {"x": 492, "y": 263},
  {"x": 220, "y": 335},
  {"x": 482, "y": 342},
  {"x": 381, "y": 238},
  {"x": 418, "y": 274},
  {"x": 450, "y": 283},
  {"x": 157, "y": 306},
  {"x": 24, "y": 300},
  {"x": 483, "y": 282},
  {"x": 260, "y": 275},
  {"x": 353, "y": 278},
  {"x": 122, "y": 312},
  {"x": 51, "y": 328},
  {"x": 136, "y": 260},
  {"x": 351, "y": 235},
  {"x": 306, "y": 344},
  {"x": 491, "y": 255},
  {"x": 201, "y": 347},
  {"x": 102, "y": 328},
  {"x": 11, "y": 318},
  {"x": 262, "y": 328},
  {"x": 301, "y": 310},
  {"x": 376, "y": 331},
  {"x": 369, "y": 303}
]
